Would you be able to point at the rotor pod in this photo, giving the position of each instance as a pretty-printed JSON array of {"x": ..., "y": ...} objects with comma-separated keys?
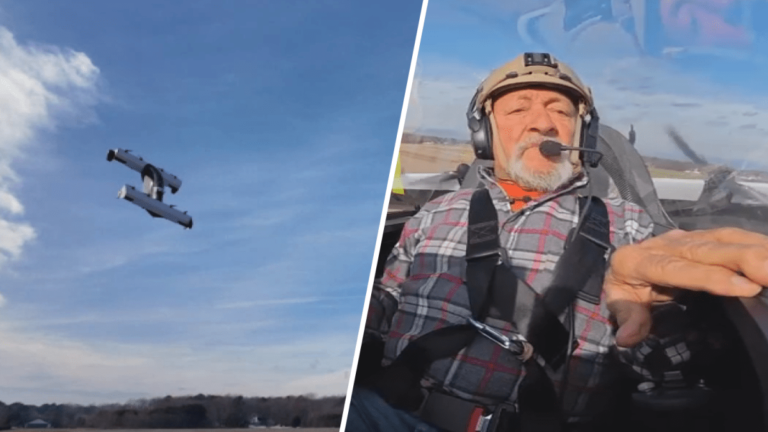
[
  {"x": 136, "y": 163},
  {"x": 154, "y": 207}
]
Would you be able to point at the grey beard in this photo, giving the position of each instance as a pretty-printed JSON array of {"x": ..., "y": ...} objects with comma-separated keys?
[{"x": 539, "y": 181}]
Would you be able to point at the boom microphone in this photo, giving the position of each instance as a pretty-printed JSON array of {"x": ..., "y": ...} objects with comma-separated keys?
[{"x": 550, "y": 148}]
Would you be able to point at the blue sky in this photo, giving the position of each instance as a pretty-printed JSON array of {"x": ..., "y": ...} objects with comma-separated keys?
[
  {"x": 280, "y": 118},
  {"x": 711, "y": 89}
]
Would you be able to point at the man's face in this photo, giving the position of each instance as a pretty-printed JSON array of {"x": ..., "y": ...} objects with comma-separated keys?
[{"x": 524, "y": 119}]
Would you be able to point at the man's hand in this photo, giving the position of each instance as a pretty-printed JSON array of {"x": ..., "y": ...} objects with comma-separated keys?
[{"x": 725, "y": 261}]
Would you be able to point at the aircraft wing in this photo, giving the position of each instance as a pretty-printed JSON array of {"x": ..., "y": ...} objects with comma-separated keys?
[
  {"x": 154, "y": 207},
  {"x": 678, "y": 189},
  {"x": 428, "y": 181},
  {"x": 137, "y": 164},
  {"x": 690, "y": 189}
]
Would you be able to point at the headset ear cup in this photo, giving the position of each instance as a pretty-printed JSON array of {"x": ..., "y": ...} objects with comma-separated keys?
[
  {"x": 488, "y": 135},
  {"x": 590, "y": 133},
  {"x": 480, "y": 133},
  {"x": 582, "y": 141},
  {"x": 479, "y": 130}
]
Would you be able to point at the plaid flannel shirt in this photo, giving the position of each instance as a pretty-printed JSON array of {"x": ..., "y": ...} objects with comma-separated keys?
[{"x": 423, "y": 289}]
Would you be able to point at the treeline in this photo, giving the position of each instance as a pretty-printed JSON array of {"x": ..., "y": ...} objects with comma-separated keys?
[
  {"x": 412, "y": 138},
  {"x": 188, "y": 412},
  {"x": 669, "y": 164}
]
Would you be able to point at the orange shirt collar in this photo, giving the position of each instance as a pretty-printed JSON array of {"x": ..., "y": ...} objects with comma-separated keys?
[{"x": 519, "y": 196}]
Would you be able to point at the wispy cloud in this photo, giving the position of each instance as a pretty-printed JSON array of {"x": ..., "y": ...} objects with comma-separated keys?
[
  {"x": 13, "y": 236},
  {"x": 335, "y": 380},
  {"x": 97, "y": 257},
  {"x": 43, "y": 87},
  {"x": 256, "y": 303},
  {"x": 111, "y": 372},
  {"x": 282, "y": 301}
]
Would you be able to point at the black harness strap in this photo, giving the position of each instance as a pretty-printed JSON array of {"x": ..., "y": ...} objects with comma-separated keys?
[
  {"x": 483, "y": 250},
  {"x": 494, "y": 290},
  {"x": 580, "y": 269},
  {"x": 591, "y": 244},
  {"x": 399, "y": 382},
  {"x": 484, "y": 273},
  {"x": 579, "y": 273}
]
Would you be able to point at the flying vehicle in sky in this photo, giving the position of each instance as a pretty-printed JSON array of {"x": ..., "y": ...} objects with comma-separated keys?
[{"x": 155, "y": 180}]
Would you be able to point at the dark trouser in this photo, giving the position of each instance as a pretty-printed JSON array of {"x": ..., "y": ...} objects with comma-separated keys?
[{"x": 368, "y": 412}]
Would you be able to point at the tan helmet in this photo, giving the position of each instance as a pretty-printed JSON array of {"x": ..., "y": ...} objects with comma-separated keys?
[{"x": 526, "y": 70}]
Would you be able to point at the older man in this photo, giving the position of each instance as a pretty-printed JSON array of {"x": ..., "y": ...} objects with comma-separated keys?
[{"x": 487, "y": 288}]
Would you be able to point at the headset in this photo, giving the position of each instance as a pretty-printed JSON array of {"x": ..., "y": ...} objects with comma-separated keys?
[{"x": 480, "y": 125}]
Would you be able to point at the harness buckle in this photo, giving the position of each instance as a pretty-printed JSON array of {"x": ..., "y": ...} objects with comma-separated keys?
[
  {"x": 609, "y": 248},
  {"x": 499, "y": 420},
  {"x": 484, "y": 423},
  {"x": 485, "y": 254},
  {"x": 517, "y": 346}
]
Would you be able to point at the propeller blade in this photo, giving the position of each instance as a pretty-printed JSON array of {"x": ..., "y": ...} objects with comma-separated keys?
[{"x": 684, "y": 147}]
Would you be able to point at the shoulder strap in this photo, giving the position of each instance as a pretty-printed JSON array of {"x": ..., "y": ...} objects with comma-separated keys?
[
  {"x": 483, "y": 250},
  {"x": 579, "y": 273},
  {"x": 398, "y": 383}
]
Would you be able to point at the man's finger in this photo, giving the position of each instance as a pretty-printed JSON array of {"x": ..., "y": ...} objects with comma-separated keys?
[
  {"x": 750, "y": 260},
  {"x": 668, "y": 271},
  {"x": 634, "y": 320},
  {"x": 661, "y": 294},
  {"x": 723, "y": 235},
  {"x": 736, "y": 235}
]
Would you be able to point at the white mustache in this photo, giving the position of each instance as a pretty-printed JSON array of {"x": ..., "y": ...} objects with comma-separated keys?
[
  {"x": 532, "y": 142},
  {"x": 546, "y": 181}
]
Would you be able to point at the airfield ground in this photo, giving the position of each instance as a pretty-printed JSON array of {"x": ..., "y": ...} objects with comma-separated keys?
[
  {"x": 433, "y": 158},
  {"x": 437, "y": 158}
]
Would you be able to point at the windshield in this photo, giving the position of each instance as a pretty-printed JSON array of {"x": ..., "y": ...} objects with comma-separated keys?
[{"x": 683, "y": 81}]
